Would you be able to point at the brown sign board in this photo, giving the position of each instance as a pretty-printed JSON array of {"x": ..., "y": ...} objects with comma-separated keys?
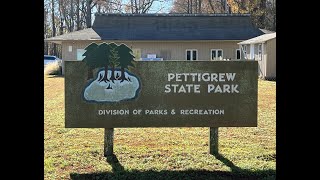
[{"x": 163, "y": 94}]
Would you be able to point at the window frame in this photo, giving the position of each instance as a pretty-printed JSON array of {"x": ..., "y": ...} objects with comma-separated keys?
[
  {"x": 237, "y": 54},
  {"x": 260, "y": 51},
  {"x": 191, "y": 54},
  {"x": 216, "y": 54}
]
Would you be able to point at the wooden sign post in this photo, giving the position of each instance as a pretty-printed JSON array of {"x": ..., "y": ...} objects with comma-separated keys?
[
  {"x": 108, "y": 141},
  {"x": 213, "y": 141},
  {"x": 108, "y": 89}
]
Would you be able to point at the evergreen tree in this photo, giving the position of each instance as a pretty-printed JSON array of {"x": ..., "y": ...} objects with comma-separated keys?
[
  {"x": 89, "y": 59},
  {"x": 126, "y": 59},
  {"x": 113, "y": 59}
]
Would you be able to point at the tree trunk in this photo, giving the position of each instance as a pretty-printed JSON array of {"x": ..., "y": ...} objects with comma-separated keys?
[
  {"x": 112, "y": 78},
  {"x": 263, "y": 10},
  {"x": 99, "y": 9},
  {"x": 53, "y": 27},
  {"x": 136, "y": 6},
  {"x": 88, "y": 15},
  {"x": 274, "y": 23},
  {"x": 123, "y": 77},
  {"x": 199, "y": 11},
  {"x": 78, "y": 15},
  {"x": 71, "y": 17},
  {"x": 196, "y": 6},
  {"x": 105, "y": 78},
  {"x": 61, "y": 26},
  {"x": 132, "y": 7}
]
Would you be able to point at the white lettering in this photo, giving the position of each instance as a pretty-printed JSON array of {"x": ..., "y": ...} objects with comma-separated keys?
[
  {"x": 210, "y": 88},
  {"x": 226, "y": 88},
  {"x": 221, "y": 77},
  {"x": 230, "y": 76},
  {"x": 206, "y": 77},
  {"x": 167, "y": 88},
  {"x": 178, "y": 78},
  {"x": 197, "y": 88},
  {"x": 234, "y": 88},
  {"x": 182, "y": 89},
  {"x": 214, "y": 77},
  {"x": 170, "y": 76}
]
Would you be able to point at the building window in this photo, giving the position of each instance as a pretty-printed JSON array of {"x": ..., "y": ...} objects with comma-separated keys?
[
  {"x": 259, "y": 51},
  {"x": 191, "y": 54},
  {"x": 216, "y": 54},
  {"x": 80, "y": 52},
  {"x": 70, "y": 48},
  {"x": 238, "y": 54}
]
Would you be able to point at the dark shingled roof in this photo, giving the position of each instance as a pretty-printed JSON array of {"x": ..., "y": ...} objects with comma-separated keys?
[{"x": 173, "y": 27}]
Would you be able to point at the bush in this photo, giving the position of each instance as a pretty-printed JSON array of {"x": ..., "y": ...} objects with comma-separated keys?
[{"x": 52, "y": 69}]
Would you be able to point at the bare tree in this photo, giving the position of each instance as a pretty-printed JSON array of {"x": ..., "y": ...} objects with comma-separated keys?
[
  {"x": 187, "y": 6},
  {"x": 263, "y": 12},
  {"x": 78, "y": 14},
  {"x": 53, "y": 25},
  {"x": 90, "y": 4},
  {"x": 139, "y": 6},
  {"x": 46, "y": 48}
]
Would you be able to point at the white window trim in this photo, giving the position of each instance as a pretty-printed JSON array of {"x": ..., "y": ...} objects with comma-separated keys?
[
  {"x": 260, "y": 56},
  {"x": 252, "y": 53},
  {"x": 191, "y": 57},
  {"x": 216, "y": 53},
  {"x": 239, "y": 52}
]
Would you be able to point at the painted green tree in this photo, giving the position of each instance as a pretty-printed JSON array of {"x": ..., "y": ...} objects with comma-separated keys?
[
  {"x": 105, "y": 55},
  {"x": 96, "y": 57},
  {"x": 113, "y": 59},
  {"x": 126, "y": 59},
  {"x": 103, "y": 52},
  {"x": 89, "y": 59}
]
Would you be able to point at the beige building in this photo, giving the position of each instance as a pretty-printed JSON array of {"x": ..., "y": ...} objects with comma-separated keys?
[
  {"x": 263, "y": 50},
  {"x": 164, "y": 36}
]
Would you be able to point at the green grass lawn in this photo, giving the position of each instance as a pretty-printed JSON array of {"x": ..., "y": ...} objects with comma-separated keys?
[{"x": 159, "y": 153}]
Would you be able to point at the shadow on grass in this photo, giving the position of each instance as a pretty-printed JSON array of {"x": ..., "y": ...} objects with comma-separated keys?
[
  {"x": 115, "y": 164},
  {"x": 118, "y": 172}
]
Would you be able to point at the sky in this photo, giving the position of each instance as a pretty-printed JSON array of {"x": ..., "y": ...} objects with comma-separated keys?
[
  {"x": 161, "y": 3},
  {"x": 159, "y": 6}
]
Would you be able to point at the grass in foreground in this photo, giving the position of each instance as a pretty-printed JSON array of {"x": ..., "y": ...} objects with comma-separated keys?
[{"x": 159, "y": 153}]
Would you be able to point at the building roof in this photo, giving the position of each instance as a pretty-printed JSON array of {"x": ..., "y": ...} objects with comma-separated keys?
[
  {"x": 166, "y": 27},
  {"x": 259, "y": 39},
  {"x": 84, "y": 34},
  {"x": 266, "y": 31}
]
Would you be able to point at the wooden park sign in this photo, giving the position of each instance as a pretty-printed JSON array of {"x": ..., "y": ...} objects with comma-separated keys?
[{"x": 108, "y": 89}]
